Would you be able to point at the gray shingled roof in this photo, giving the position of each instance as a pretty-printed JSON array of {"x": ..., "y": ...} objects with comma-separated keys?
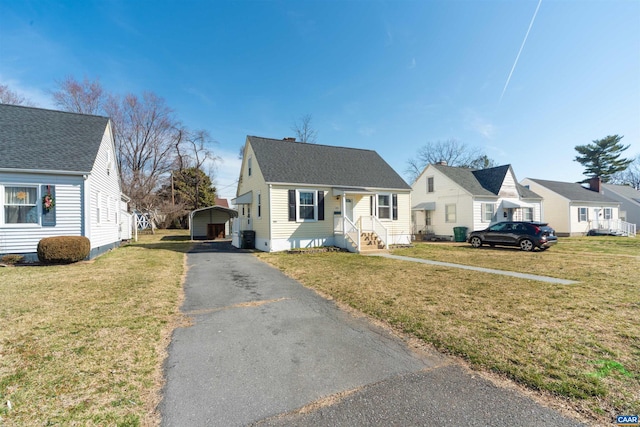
[
  {"x": 626, "y": 191},
  {"x": 573, "y": 191},
  {"x": 483, "y": 182},
  {"x": 38, "y": 139},
  {"x": 301, "y": 163}
]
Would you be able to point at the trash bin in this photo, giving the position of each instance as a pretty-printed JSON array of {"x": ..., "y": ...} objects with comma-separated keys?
[
  {"x": 248, "y": 239},
  {"x": 460, "y": 234}
]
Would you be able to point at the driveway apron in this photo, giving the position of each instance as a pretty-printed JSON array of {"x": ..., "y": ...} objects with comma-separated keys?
[{"x": 261, "y": 346}]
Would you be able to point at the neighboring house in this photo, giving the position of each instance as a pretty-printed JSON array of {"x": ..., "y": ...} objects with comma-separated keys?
[
  {"x": 213, "y": 222},
  {"x": 629, "y": 199},
  {"x": 70, "y": 157},
  {"x": 574, "y": 210},
  {"x": 296, "y": 195},
  {"x": 445, "y": 197}
]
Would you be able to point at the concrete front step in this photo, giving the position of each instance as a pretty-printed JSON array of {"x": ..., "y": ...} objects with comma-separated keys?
[{"x": 372, "y": 251}]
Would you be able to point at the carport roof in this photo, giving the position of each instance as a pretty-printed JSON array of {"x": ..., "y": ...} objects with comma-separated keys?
[{"x": 232, "y": 212}]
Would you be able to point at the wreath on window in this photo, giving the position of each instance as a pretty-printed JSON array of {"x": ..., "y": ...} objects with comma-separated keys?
[{"x": 48, "y": 202}]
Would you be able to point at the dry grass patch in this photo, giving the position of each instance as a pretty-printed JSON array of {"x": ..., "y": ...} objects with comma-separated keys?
[
  {"x": 578, "y": 342},
  {"x": 83, "y": 344}
]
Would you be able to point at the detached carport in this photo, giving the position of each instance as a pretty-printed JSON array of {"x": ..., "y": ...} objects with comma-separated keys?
[{"x": 210, "y": 223}]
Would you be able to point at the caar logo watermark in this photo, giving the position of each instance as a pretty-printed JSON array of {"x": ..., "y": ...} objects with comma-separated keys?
[{"x": 627, "y": 420}]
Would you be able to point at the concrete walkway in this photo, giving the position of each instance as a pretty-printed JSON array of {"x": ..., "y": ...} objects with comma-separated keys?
[
  {"x": 264, "y": 350},
  {"x": 481, "y": 269}
]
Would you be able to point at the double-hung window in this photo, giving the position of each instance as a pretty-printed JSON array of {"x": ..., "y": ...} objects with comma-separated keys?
[
  {"x": 608, "y": 213},
  {"x": 527, "y": 214},
  {"x": 430, "y": 184},
  {"x": 307, "y": 208},
  {"x": 384, "y": 206},
  {"x": 20, "y": 205},
  {"x": 488, "y": 210},
  {"x": 306, "y": 205},
  {"x": 450, "y": 213},
  {"x": 583, "y": 214}
]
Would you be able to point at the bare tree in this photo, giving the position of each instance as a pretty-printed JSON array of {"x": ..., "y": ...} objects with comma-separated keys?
[
  {"x": 304, "y": 130},
  {"x": 8, "y": 96},
  {"x": 193, "y": 154},
  {"x": 630, "y": 176},
  {"x": 146, "y": 134},
  {"x": 451, "y": 151},
  {"x": 86, "y": 97}
]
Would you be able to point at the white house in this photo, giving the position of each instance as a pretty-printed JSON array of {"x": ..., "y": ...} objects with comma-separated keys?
[
  {"x": 575, "y": 210},
  {"x": 445, "y": 197},
  {"x": 68, "y": 157},
  {"x": 295, "y": 195},
  {"x": 629, "y": 199}
]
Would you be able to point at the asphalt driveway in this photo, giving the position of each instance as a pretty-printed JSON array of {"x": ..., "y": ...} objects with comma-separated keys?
[{"x": 264, "y": 350}]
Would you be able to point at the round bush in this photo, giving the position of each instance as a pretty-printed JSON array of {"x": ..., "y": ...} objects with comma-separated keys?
[{"x": 63, "y": 249}]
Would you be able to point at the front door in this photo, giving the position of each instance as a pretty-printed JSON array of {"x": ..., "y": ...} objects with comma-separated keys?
[{"x": 348, "y": 209}]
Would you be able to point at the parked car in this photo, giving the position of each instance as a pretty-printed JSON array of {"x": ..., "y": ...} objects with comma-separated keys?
[{"x": 526, "y": 235}]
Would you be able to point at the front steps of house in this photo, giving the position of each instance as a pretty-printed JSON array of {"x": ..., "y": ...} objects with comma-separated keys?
[{"x": 370, "y": 243}]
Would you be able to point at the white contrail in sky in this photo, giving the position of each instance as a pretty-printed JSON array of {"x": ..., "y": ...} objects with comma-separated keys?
[{"x": 520, "y": 51}]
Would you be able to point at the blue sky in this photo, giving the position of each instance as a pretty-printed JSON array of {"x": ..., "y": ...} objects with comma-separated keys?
[{"x": 383, "y": 75}]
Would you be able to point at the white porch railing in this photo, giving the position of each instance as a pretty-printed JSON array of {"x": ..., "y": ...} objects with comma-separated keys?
[
  {"x": 348, "y": 231},
  {"x": 613, "y": 226},
  {"x": 352, "y": 232},
  {"x": 372, "y": 223}
]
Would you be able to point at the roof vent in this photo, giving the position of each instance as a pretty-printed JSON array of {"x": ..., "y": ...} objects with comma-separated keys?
[{"x": 289, "y": 138}]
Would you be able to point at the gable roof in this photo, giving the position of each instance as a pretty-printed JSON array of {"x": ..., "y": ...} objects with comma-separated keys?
[
  {"x": 626, "y": 191},
  {"x": 49, "y": 140},
  {"x": 221, "y": 202},
  {"x": 574, "y": 191},
  {"x": 285, "y": 161},
  {"x": 483, "y": 182}
]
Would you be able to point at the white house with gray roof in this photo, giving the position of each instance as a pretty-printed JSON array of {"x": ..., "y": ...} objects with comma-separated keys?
[
  {"x": 629, "y": 199},
  {"x": 69, "y": 158},
  {"x": 445, "y": 197},
  {"x": 299, "y": 195},
  {"x": 575, "y": 210}
]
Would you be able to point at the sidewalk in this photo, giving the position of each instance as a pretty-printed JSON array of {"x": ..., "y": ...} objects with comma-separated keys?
[{"x": 481, "y": 269}]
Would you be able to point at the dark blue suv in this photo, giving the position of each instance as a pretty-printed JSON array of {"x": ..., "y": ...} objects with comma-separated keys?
[{"x": 524, "y": 234}]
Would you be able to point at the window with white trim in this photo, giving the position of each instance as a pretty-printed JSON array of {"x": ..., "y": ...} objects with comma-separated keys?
[
  {"x": 608, "y": 213},
  {"x": 307, "y": 207},
  {"x": 384, "y": 206},
  {"x": 527, "y": 214},
  {"x": 430, "y": 184},
  {"x": 20, "y": 204},
  {"x": 450, "y": 213},
  {"x": 488, "y": 210},
  {"x": 583, "y": 214},
  {"x": 259, "y": 205}
]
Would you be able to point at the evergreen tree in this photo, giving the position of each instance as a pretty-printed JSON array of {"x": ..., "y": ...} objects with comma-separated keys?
[
  {"x": 193, "y": 188},
  {"x": 602, "y": 158}
]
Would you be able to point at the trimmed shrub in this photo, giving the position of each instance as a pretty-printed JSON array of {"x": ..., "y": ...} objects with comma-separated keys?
[
  {"x": 63, "y": 249},
  {"x": 11, "y": 259}
]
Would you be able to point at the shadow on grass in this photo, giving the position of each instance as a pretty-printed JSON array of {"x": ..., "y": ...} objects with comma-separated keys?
[
  {"x": 176, "y": 238},
  {"x": 187, "y": 246}
]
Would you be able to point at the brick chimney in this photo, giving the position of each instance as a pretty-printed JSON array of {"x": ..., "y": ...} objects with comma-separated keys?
[
  {"x": 442, "y": 163},
  {"x": 594, "y": 184},
  {"x": 289, "y": 138}
]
